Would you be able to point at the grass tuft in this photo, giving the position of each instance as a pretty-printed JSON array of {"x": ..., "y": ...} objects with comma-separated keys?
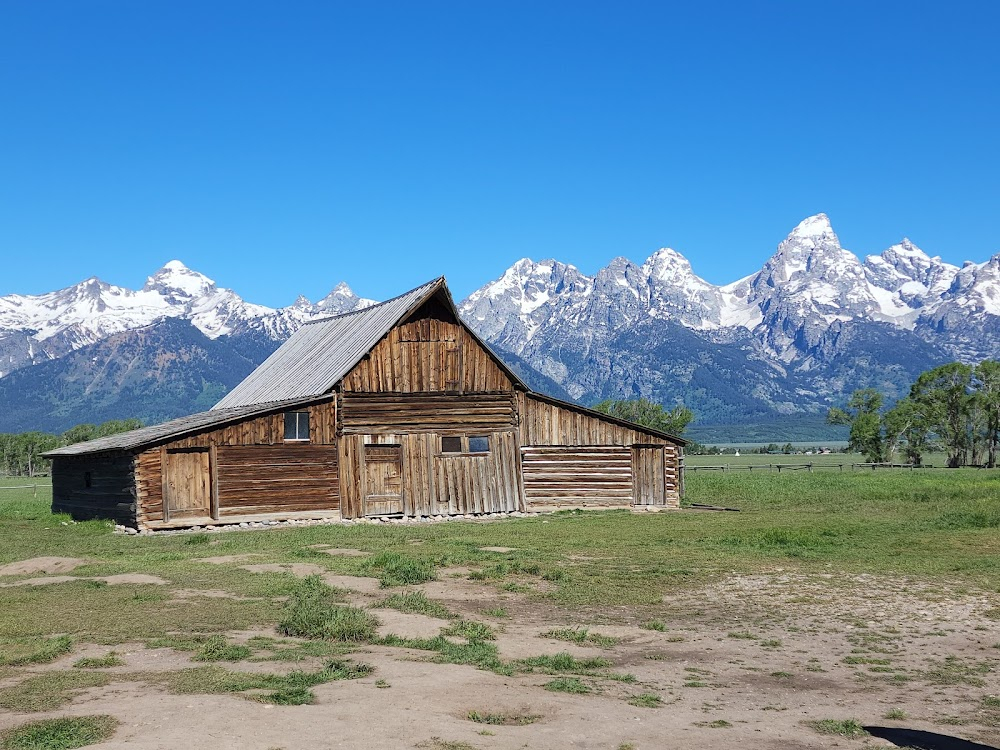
[
  {"x": 562, "y": 662},
  {"x": 658, "y": 625},
  {"x": 397, "y": 569},
  {"x": 568, "y": 685},
  {"x": 416, "y": 602},
  {"x": 50, "y": 690},
  {"x": 581, "y": 636},
  {"x": 471, "y": 631},
  {"x": 59, "y": 734},
  {"x": 509, "y": 720},
  {"x": 110, "y": 659},
  {"x": 312, "y": 612},
  {"x": 844, "y": 727},
  {"x": 16, "y": 652},
  {"x": 646, "y": 700}
]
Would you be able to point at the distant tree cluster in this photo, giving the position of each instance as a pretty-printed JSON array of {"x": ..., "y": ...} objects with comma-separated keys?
[
  {"x": 650, "y": 414},
  {"x": 21, "y": 453},
  {"x": 956, "y": 406}
]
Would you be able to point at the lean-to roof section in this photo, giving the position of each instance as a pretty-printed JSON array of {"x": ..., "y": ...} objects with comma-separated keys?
[{"x": 158, "y": 433}]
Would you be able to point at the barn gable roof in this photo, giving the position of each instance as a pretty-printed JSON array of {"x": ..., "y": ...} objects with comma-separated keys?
[
  {"x": 322, "y": 352},
  {"x": 165, "y": 431}
]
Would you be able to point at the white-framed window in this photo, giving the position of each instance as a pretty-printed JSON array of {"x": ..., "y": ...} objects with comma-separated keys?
[{"x": 296, "y": 426}]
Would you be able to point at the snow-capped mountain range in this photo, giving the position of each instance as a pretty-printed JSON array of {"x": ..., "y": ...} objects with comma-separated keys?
[
  {"x": 813, "y": 324},
  {"x": 810, "y": 287},
  {"x": 47, "y": 326}
]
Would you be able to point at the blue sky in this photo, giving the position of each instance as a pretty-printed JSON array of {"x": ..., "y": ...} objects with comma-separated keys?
[{"x": 283, "y": 147}]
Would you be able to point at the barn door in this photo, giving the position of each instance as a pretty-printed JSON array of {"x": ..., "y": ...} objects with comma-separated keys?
[
  {"x": 648, "y": 481},
  {"x": 383, "y": 480},
  {"x": 187, "y": 484}
]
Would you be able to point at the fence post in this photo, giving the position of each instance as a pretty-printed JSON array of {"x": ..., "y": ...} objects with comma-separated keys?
[{"x": 34, "y": 490}]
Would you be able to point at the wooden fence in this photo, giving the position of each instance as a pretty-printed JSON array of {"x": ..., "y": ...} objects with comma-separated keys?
[
  {"x": 806, "y": 467},
  {"x": 32, "y": 487}
]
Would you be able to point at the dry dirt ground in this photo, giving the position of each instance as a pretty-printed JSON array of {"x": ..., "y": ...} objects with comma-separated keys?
[{"x": 747, "y": 661}]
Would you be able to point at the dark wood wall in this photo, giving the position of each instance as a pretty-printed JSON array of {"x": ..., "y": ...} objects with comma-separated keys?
[{"x": 111, "y": 493}]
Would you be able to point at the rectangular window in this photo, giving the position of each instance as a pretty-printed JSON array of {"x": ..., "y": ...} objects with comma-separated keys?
[
  {"x": 296, "y": 426},
  {"x": 479, "y": 444},
  {"x": 88, "y": 480},
  {"x": 466, "y": 444}
]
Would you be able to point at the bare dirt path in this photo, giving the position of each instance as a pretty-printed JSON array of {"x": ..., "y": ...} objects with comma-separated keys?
[{"x": 749, "y": 660}]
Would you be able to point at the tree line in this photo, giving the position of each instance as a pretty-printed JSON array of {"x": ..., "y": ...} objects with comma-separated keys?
[
  {"x": 21, "y": 453},
  {"x": 954, "y": 406}
]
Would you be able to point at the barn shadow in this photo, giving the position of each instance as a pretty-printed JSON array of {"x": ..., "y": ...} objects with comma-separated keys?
[{"x": 921, "y": 740}]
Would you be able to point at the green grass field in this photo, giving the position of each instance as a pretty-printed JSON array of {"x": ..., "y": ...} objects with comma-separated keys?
[
  {"x": 938, "y": 524},
  {"x": 821, "y": 542}
]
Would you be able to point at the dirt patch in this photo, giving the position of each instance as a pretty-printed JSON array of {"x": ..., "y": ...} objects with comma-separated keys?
[
  {"x": 296, "y": 569},
  {"x": 47, "y": 565},
  {"x": 408, "y": 625},
  {"x": 228, "y": 559},
  {"x": 747, "y": 660},
  {"x": 210, "y": 594},
  {"x": 498, "y": 549},
  {"x": 137, "y": 578},
  {"x": 358, "y": 584}
]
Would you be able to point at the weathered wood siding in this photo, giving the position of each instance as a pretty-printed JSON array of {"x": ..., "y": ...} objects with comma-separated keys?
[
  {"x": 427, "y": 354},
  {"x": 432, "y": 482},
  {"x": 277, "y": 479},
  {"x": 543, "y": 423},
  {"x": 570, "y": 458},
  {"x": 267, "y": 430},
  {"x": 577, "y": 475},
  {"x": 112, "y": 487},
  {"x": 391, "y": 413},
  {"x": 259, "y": 433}
]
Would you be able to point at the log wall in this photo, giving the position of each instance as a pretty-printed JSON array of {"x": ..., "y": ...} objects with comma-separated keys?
[
  {"x": 111, "y": 493},
  {"x": 573, "y": 475}
]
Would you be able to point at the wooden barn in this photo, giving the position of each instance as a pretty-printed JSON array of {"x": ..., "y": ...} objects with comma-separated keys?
[{"x": 394, "y": 410}]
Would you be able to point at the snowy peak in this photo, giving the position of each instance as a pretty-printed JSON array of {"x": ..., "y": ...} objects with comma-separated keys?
[
  {"x": 341, "y": 299},
  {"x": 816, "y": 228},
  {"x": 178, "y": 284},
  {"x": 48, "y": 326}
]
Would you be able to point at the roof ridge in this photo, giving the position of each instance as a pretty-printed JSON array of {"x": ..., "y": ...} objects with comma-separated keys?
[{"x": 438, "y": 280}]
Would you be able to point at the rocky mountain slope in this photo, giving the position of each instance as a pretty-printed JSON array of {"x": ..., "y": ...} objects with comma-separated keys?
[{"x": 786, "y": 342}]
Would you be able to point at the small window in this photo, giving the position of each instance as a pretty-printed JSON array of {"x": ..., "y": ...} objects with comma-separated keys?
[
  {"x": 479, "y": 444},
  {"x": 296, "y": 425},
  {"x": 451, "y": 445},
  {"x": 87, "y": 480}
]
